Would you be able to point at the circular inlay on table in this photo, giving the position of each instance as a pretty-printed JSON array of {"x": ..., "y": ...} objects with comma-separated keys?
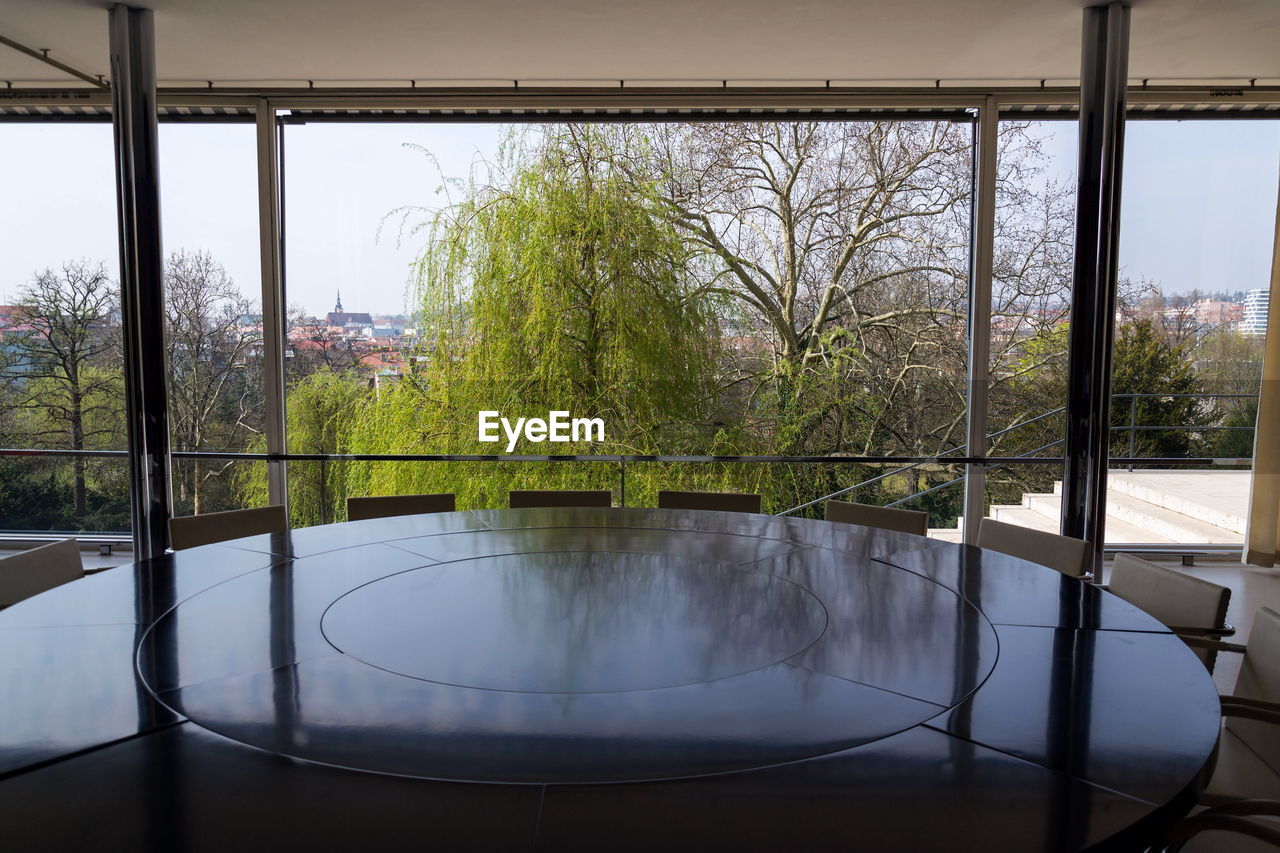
[{"x": 575, "y": 622}]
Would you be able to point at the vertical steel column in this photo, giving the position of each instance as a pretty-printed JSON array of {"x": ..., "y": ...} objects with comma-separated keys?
[
  {"x": 1104, "y": 63},
  {"x": 981, "y": 253},
  {"x": 273, "y": 319},
  {"x": 133, "y": 120}
]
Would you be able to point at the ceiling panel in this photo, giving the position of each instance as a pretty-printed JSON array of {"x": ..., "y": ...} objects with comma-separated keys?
[{"x": 378, "y": 42}]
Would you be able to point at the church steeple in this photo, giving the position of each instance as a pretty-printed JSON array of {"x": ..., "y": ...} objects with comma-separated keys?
[{"x": 337, "y": 308}]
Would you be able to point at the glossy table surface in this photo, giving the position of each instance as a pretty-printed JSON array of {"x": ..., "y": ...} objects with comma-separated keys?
[{"x": 590, "y": 679}]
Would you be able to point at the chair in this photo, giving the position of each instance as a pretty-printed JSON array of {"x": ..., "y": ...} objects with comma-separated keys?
[
  {"x": 1186, "y": 604},
  {"x": 359, "y": 509},
  {"x": 885, "y": 518},
  {"x": 191, "y": 531},
  {"x": 31, "y": 572},
  {"x": 1246, "y": 778},
  {"x": 721, "y": 501},
  {"x": 523, "y": 499},
  {"x": 1062, "y": 553}
]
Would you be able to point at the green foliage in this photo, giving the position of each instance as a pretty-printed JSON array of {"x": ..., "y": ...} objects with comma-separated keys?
[
  {"x": 1237, "y": 443},
  {"x": 1145, "y": 362},
  {"x": 577, "y": 297},
  {"x": 322, "y": 410},
  {"x": 556, "y": 288},
  {"x": 37, "y": 495}
]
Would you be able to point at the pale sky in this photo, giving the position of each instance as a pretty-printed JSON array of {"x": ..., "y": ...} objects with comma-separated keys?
[{"x": 1199, "y": 200}]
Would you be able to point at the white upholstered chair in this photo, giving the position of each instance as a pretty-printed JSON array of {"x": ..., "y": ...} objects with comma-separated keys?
[
  {"x": 29, "y": 573},
  {"x": 359, "y": 509},
  {"x": 1186, "y": 604},
  {"x": 1246, "y": 779},
  {"x": 722, "y": 501},
  {"x": 191, "y": 531},
  {"x": 1063, "y": 553},
  {"x": 883, "y": 517},
  {"x": 523, "y": 499}
]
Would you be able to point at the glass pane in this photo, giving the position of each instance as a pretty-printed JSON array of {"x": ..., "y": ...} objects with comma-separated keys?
[
  {"x": 1195, "y": 243},
  {"x": 39, "y": 495},
  {"x": 1030, "y": 311},
  {"x": 644, "y": 275},
  {"x": 61, "y": 384},
  {"x": 212, "y": 291},
  {"x": 224, "y": 484}
]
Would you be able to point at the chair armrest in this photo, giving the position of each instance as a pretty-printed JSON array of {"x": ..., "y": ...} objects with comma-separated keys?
[
  {"x": 1251, "y": 712},
  {"x": 1205, "y": 643},
  {"x": 1250, "y": 702},
  {"x": 1209, "y": 820},
  {"x": 1195, "y": 631},
  {"x": 1247, "y": 808}
]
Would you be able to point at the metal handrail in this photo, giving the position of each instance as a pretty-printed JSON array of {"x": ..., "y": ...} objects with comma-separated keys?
[
  {"x": 856, "y": 486},
  {"x": 960, "y": 479},
  {"x": 1131, "y": 427},
  {"x": 498, "y": 457},
  {"x": 907, "y": 463},
  {"x": 615, "y": 457}
]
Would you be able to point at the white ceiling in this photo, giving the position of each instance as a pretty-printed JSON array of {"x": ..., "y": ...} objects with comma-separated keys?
[{"x": 681, "y": 42}]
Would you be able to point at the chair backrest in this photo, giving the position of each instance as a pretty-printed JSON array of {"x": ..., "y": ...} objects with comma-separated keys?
[
  {"x": 523, "y": 499},
  {"x": 31, "y": 572},
  {"x": 901, "y": 520},
  {"x": 1260, "y": 679},
  {"x": 1179, "y": 600},
  {"x": 191, "y": 531},
  {"x": 722, "y": 501},
  {"x": 1063, "y": 553},
  {"x": 359, "y": 509},
  {"x": 1176, "y": 599}
]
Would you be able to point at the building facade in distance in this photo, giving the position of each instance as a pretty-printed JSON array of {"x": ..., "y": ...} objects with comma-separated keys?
[{"x": 1255, "y": 312}]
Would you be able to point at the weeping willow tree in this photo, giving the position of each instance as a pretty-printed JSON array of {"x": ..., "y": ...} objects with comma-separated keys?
[
  {"x": 554, "y": 286},
  {"x": 321, "y": 410}
]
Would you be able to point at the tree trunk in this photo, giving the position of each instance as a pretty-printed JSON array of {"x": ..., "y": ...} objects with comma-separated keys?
[{"x": 79, "y": 500}]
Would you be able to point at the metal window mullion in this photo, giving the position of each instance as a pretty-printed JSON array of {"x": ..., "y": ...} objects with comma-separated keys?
[
  {"x": 134, "y": 117},
  {"x": 1104, "y": 64},
  {"x": 273, "y": 320},
  {"x": 981, "y": 261}
]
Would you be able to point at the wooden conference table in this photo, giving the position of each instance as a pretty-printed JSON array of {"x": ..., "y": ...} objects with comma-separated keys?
[{"x": 591, "y": 679}]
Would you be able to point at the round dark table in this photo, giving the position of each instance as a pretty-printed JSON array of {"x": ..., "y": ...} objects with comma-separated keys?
[{"x": 594, "y": 679}]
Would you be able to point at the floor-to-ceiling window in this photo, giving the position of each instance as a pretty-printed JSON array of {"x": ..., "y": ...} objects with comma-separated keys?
[
  {"x": 61, "y": 383},
  {"x": 1197, "y": 223},
  {"x": 737, "y": 288},
  {"x": 778, "y": 288},
  {"x": 1030, "y": 313},
  {"x": 212, "y": 274}
]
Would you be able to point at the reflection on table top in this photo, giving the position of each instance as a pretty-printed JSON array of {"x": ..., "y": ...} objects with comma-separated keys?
[{"x": 615, "y": 678}]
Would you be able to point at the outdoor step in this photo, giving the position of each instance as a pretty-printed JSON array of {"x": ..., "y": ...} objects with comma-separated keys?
[
  {"x": 1118, "y": 532},
  {"x": 1165, "y": 522},
  {"x": 1220, "y": 498},
  {"x": 1023, "y": 517},
  {"x": 1048, "y": 507}
]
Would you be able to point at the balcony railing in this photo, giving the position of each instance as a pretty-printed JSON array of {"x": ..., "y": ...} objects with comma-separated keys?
[
  {"x": 1133, "y": 428},
  {"x": 903, "y": 464}
]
